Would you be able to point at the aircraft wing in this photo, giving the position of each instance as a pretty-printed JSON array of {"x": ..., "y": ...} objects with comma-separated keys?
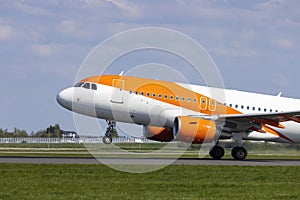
[
  {"x": 270, "y": 118},
  {"x": 261, "y": 122}
]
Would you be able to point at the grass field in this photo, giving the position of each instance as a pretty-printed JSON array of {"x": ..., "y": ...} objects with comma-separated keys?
[
  {"x": 49, "y": 181},
  {"x": 255, "y": 151}
]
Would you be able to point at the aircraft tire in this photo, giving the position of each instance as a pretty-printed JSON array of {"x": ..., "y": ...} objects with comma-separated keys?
[
  {"x": 217, "y": 152},
  {"x": 239, "y": 153},
  {"x": 107, "y": 140}
]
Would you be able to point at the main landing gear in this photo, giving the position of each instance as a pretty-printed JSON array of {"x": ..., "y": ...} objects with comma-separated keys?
[
  {"x": 217, "y": 152},
  {"x": 107, "y": 139},
  {"x": 238, "y": 152}
]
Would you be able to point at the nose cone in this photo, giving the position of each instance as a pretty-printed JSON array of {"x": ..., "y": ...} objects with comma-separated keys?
[{"x": 64, "y": 98}]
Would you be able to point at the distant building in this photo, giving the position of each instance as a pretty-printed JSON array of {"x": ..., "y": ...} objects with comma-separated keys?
[{"x": 69, "y": 134}]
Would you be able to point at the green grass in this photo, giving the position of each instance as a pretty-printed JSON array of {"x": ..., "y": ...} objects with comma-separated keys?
[
  {"x": 40, "y": 145},
  {"x": 49, "y": 181}
]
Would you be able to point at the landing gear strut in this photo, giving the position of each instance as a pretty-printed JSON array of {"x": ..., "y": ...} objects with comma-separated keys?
[
  {"x": 107, "y": 139},
  {"x": 217, "y": 152},
  {"x": 238, "y": 152}
]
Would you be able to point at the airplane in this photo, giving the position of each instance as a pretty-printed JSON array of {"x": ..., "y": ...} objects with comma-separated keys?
[{"x": 171, "y": 111}]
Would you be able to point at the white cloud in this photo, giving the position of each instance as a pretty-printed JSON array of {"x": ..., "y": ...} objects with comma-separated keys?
[
  {"x": 30, "y": 9},
  {"x": 74, "y": 29},
  {"x": 127, "y": 7},
  {"x": 283, "y": 43},
  {"x": 6, "y": 32},
  {"x": 236, "y": 52},
  {"x": 271, "y": 4},
  {"x": 280, "y": 80},
  {"x": 43, "y": 50}
]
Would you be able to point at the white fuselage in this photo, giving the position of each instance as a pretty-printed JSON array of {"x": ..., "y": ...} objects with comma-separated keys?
[{"x": 108, "y": 102}]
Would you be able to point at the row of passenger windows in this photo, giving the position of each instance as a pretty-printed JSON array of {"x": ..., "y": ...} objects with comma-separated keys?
[
  {"x": 253, "y": 108},
  {"x": 86, "y": 85},
  {"x": 165, "y": 96},
  {"x": 204, "y": 101}
]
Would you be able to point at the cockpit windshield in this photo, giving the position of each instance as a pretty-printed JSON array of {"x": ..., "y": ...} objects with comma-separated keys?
[
  {"x": 86, "y": 85},
  {"x": 79, "y": 84}
]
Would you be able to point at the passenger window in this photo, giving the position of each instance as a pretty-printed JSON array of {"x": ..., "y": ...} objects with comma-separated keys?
[
  {"x": 242, "y": 107},
  {"x": 78, "y": 84},
  {"x": 265, "y": 110},
  {"x": 189, "y": 99},
  {"x": 230, "y": 105},
  {"x": 148, "y": 94},
  {"x": 166, "y": 96},
  {"x": 154, "y": 95},
  {"x": 195, "y": 100},
  {"x": 94, "y": 87},
  {"x": 182, "y": 99},
  {"x": 248, "y": 107},
  {"x": 177, "y": 98},
  {"x": 171, "y": 97},
  {"x": 271, "y": 110},
  {"x": 142, "y": 93},
  {"x": 136, "y": 92},
  {"x": 86, "y": 85},
  {"x": 236, "y": 106},
  {"x": 259, "y": 109},
  {"x": 130, "y": 92},
  {"x": 253, "y": 108}
]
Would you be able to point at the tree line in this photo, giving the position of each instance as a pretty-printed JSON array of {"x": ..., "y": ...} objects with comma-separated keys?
[{"x": 51, "y": 131}]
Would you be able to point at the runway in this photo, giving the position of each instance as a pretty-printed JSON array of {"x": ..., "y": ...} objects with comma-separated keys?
[{"x": 148, "y": 161}]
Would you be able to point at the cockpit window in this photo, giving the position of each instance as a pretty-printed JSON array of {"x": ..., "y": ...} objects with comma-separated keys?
[
  {"x": 94, "y": 87},
  {"x": 87, "y": 85},
  {"x": 78, "y": 84}
]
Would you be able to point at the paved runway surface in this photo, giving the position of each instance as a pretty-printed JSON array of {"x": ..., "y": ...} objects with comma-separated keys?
[{"x": 148, "y": 161}]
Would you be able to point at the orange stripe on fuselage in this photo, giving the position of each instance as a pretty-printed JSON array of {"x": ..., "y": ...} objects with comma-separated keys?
[
  {"x": 172, "y": 89},
  {"x": 163, "y": 88}
]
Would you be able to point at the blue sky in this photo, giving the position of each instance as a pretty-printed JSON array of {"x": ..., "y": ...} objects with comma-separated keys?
[{"x": 255, "y": 44}]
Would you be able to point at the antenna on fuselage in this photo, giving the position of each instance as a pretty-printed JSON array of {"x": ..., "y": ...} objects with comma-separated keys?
[
  {"x": 122, "y": 72},
  {"x": 279, "y": 94}
]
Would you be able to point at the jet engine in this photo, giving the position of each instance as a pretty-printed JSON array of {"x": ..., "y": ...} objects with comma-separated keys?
[
  {"x": 161, "y": 134},
  {"x": 194, "y": 130}
]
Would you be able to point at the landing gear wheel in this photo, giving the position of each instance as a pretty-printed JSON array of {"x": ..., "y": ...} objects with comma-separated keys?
[
  {"x": 217, "y": 152},
  {"x": 239, "y": 153},
  {"x": 107, "y": 140}
]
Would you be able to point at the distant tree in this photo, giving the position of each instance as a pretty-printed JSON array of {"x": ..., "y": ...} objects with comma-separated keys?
[
  {"x": 57, "y": 131},
  {"x": 40, "y": 133},
  {"x": 115, "y": 134},
  {"x": 51, "y": 131},
  {"x": 16, "y": 133},
  {"x": 19, "y": 133}
]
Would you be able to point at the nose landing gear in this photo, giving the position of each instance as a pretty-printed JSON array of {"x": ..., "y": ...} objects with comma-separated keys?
[{"x": 107, "y": 139}]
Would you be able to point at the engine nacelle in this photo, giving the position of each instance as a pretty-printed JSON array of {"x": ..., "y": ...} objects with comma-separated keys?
[
  {"x": 158, "y": 133},
  {"x": 194, "y": 130}
]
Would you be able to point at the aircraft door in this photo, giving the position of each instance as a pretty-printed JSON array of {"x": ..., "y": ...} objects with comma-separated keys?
[{"x": 118, "y": 91}]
